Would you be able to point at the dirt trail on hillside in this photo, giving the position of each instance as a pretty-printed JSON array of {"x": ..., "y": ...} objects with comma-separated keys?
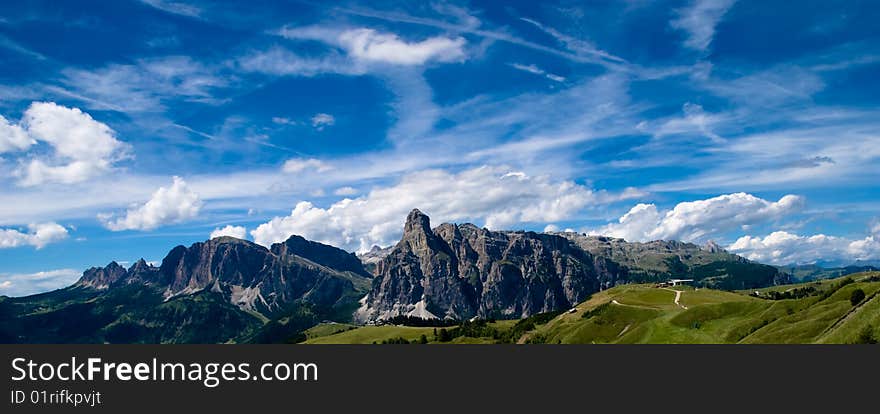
[{"x": 677, "y": 297}]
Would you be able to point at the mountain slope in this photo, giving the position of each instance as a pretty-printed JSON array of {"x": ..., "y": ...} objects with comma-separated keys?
[
  {"x": 617, "y": 316},
  {"x": 815, "y": 312}
]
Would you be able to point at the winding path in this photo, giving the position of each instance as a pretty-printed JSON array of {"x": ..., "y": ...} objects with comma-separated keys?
[{"x": 677, "y": 297}]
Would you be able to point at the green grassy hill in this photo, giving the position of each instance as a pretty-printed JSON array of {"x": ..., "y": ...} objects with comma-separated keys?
[{"x": 814, "y": 312}]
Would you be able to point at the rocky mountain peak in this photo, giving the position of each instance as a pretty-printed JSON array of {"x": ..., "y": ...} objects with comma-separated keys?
[
  {"x": 102, "y": 277},
  {"x": 417, "y": 222},
  {"x": 321, "y": 254},
  {"x": 418, "y": 236},
  {"x": 139, "y": 265},
  {"x": 374, "y": 256},
  {"x": 713, "y": 247}
]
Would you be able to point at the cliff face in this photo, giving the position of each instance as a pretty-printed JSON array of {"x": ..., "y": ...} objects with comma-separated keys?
[
  {"x": 249, "y": 275},
  {"x": 462, "y": 271}
]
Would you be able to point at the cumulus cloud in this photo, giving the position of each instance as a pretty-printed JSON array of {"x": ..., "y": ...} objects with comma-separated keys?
[
  {"x": 490, "y": 196},
  {"x": 696, "y": 220},
  {"x": 297, "y": 165},
  {"x": 783, "y": 248},
  {"x": 239, "y": 232},
  {"x": 369, "y": 45},
  {"x": 321, "y": 120},
  {"x": 699, "y": 20},
  {"x": 13, "y": 137},
  {"x": 38, "y": 235},
  {"x": 24, "y": 284},
  {"x": 169, "y": 205},
  {"x": 82, "y": 147}
]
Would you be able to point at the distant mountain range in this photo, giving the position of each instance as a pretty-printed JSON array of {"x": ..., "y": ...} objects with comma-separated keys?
[
  {"x": 232, "y": 290},
  {"x": 222, "y": 290},
  {"x": 810, "y": 272}
]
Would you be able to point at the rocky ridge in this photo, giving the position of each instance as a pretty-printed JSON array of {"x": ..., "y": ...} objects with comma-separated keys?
[{"x": 461, "y": 271}]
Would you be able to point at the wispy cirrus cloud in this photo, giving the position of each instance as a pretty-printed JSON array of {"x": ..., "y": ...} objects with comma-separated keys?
[
  {"x": 175, "y": 7},
  {"x": 534, "y": 69},
  {"x": 595, "y": 56},
  {"x": 699, "y": 20},
  {"x": 148, "y": 85}
]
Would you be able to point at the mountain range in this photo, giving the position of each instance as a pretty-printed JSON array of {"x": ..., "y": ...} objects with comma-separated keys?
[{"x": 232, "y": 290}]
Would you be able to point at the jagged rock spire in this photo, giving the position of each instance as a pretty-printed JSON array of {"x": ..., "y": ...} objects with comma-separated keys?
[{"x": 417, "y": 221}]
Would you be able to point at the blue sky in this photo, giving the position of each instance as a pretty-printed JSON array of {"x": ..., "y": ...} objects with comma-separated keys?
[{"x": 129, "y": 127}]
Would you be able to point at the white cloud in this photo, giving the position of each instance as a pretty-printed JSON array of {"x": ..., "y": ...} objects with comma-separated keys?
[
  {"x": 533, "y": 69},
  {"x": 844, "y": 153},
  {"x": 321, "y": 120},
  {"x": 345, "y": 191},
  {"x": 551, "y": 228},
  {"x": 694, "y": 121},
  {"x": 167, "y": 206},
  {"x": 782, "y": 248},
  {"x": 368, "y": 45},
  {"x": 82, "y": 147},
  {"x": 13, "y": 137},
  {"x": 174, "y": 7},
  {"x": 696, "y": 220},
  {"x": 528, "y": 68},
  {"x": 297, "y": 165},
  {"x": 38, "y": 235},
  {"x": 699, "y": 20},
  {"x": 580, "y": 47},
  {"x": 238, "y": 232},
  {"x": 776, "y": 85},
  {"x": 488, "y": 195},
  {"x": 24, "y": 284},
  {"x": 279, "y": 61},
  {"x": 283, "y": 121},
  {"x": 145, "y": 86}
]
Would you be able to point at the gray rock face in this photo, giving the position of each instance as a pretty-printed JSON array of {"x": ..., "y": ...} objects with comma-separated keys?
[
  {"x": 462, "y": 271},
  {"x": 102, "y": 277},
  {"x": 375, "y": 255},
  {"x": 713, "y": 247},
  {"x": 251, "y": 276}
]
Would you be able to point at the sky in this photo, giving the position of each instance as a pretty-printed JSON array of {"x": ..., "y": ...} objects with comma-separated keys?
[{"x": 129, "y": 127}]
